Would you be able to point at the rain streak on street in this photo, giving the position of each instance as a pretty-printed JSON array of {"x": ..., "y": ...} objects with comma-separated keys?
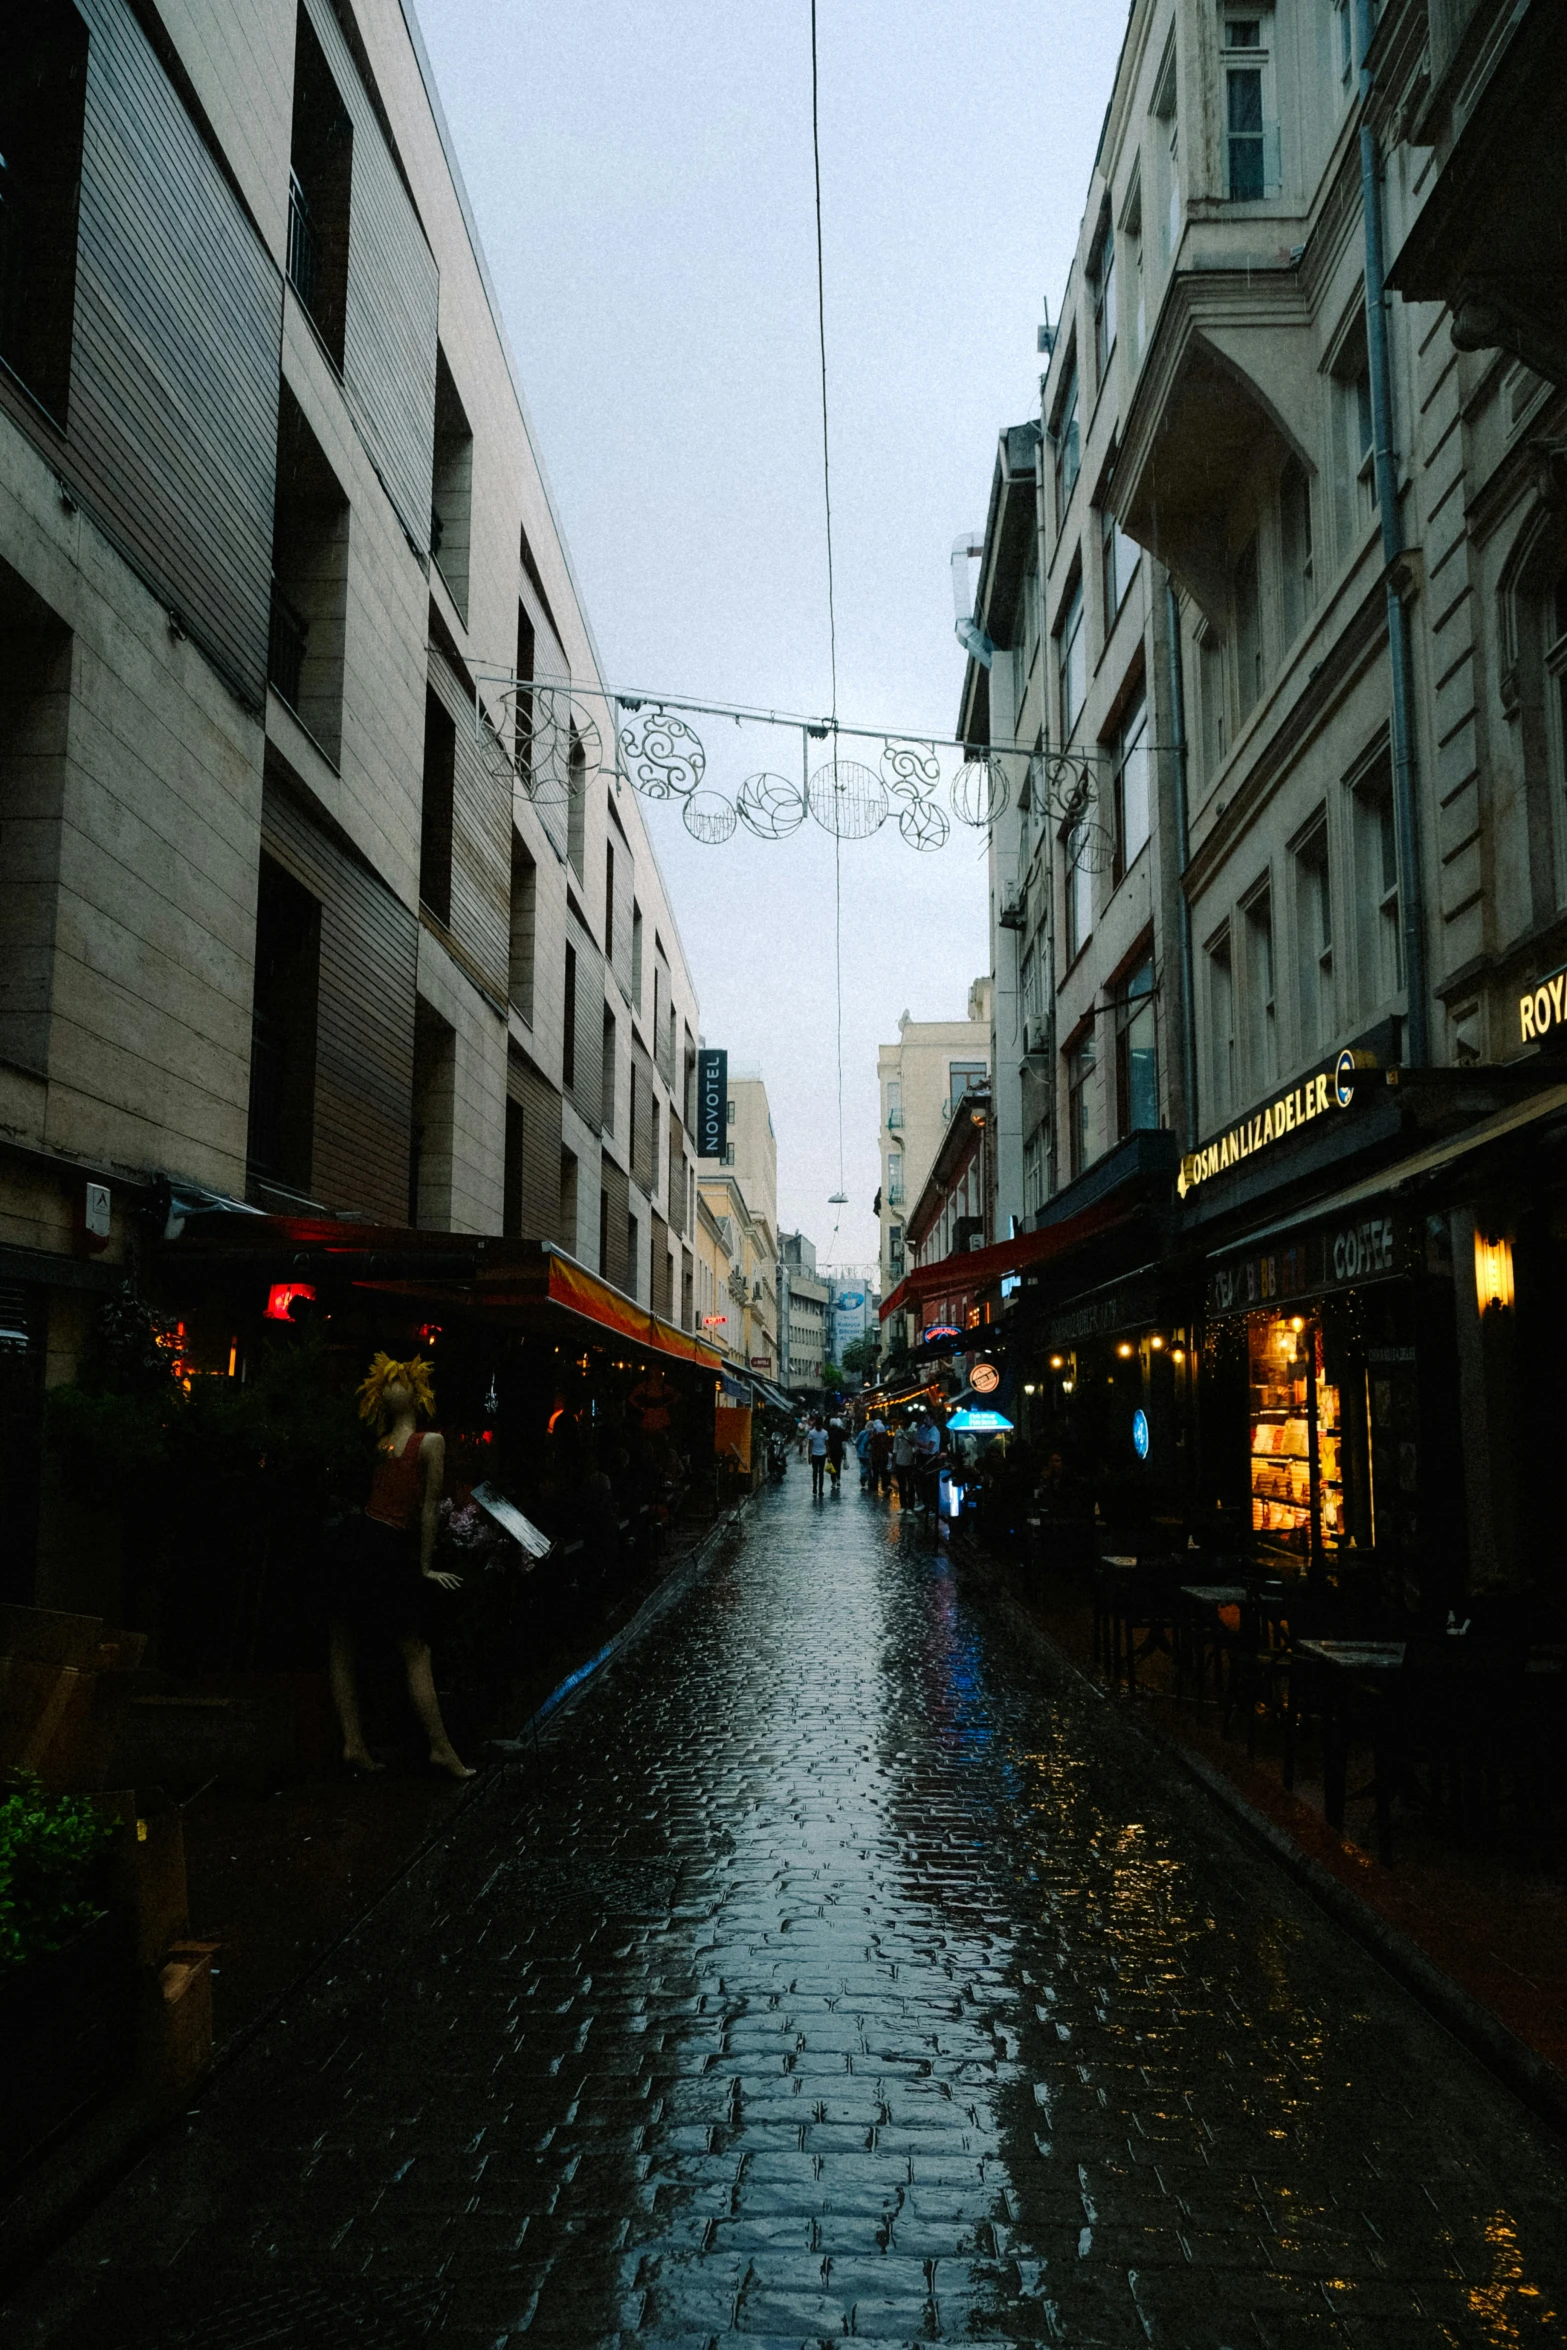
[{"x": 839, "y": 1967}]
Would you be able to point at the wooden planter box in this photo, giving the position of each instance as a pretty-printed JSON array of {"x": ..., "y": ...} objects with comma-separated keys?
[{"x": 67, "y": 2036}]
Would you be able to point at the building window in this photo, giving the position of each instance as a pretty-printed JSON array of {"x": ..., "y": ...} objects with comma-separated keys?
[
  {"x": 730, "y": 1111},
  {"x": 451, "y": 486},
  {"x": 1251, "y": 151},
  {"x": 1295, "y": 548},
  {"x": 1118, "y": 560},
  {"x": 1168, "y": 150},
  {"x": 568, "y": 1022},
  {"x": 1136, "y": 1053},
  {"x": 609, "y": 1072},
  {"x": 636, "y": 956},
  {"x": 431, "y": 1153},
  {"x": 513, "y": 1172},
  {"x": 321, "y": 164},
  {"x": 1071, "y": 660},
  {"x": 1376, "y": 842},
  {"x": 1133, "y": 788},
  {"x": 1344, "y": 45},
  {"x": 609, "y": 900},
  {"x": 1068, "y": 447},
  {"x": 895, "y": 1179},
  {"x": 1079, "y": 881},
  {"x": 1132, "y": 269},
  {"x": 524, "y": 928},
  {"x": 1246, "y": 590},
  {"x": 1101, "y": 275},
  {"x": 522, "y": 710},
  {"x": 964, "y": 1077},
  {"x": 1212, "y": 700},
  {"x": 576, "y": 801},
  {"x": 310, "y": 532},
  {"x": 283, "y": 1030},
  {"x": 42, "y": 108},
  {"x": 1080, "y": 1061},
  {"x": 1261, "y": 990},
  {"x": 1033, "y": 1174},
  {"x": 1314, "y": 933},
  {"x": 435, "y": 809},
  {"x": 1221, "y": 1026},
  {"x": 568, "y": 1200},
  {"x": 1354, "y": 454},
  {"x": 894, "y": 1101}
]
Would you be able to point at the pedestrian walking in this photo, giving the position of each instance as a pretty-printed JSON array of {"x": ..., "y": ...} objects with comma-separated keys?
[
  {"x": 880, "y": 1454},
  {"x": 816, "y": 1449},
  {"x": 903, "y": 1463},
  {"x": 837, "y": 1439},
  {"x": 862, "y": 1453},
  {"x": 928, "y": 1442}
]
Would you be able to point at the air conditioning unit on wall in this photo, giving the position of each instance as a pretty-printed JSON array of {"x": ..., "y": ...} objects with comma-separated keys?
[
  {"x": 1013, "y": 911},
  {"x": 1036, "y": 1041}
]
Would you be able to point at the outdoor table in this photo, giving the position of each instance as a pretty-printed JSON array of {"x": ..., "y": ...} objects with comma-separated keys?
[
  {"x": 1203, "y": 1622},
  {"x": 1345, "y": 1667}
]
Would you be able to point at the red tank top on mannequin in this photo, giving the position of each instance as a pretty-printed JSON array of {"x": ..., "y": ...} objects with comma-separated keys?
[{"x": 394, "y": 1489}]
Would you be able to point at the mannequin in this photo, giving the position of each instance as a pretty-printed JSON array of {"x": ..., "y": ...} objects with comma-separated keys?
[{"x": 381, "y": 1580}]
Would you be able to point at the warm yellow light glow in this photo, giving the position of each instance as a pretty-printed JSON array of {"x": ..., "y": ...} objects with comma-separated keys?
[
  {"x": 1493, "y": 1274},
  {"x": 1028, "y": 1387},
  {"x": 1124, "y": 1349},
  {"x": 1297, "y": 1321},
  {"x": 1067, "y": 1386},
  {"x": 1156, "y": 1342},
  {"x": 1177, "y": 1354},
  {"x": 1057, "y": 1362}
]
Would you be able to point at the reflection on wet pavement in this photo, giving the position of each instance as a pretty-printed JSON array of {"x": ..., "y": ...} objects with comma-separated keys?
[{"x": 840, "y": 1970}]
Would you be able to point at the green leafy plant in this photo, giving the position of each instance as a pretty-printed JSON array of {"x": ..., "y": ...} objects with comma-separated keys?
[
  {"x": 832, "y": 1376},
  {"x": 50, "y": 1848}
]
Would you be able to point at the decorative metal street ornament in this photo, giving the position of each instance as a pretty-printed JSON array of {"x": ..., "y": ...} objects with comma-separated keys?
[
  {"x": 1066, "y": 784},
  {"x": 770, "y": 806},
  {"x": 911, "y": 770},
  {"x": 979, "y": 793},
  {"x": 848, "y": 799},
  {"x": 924, "y": 825},
  {"x": 709, "y": 817},
  {"x": 1089, "y": 845},
  {"x": 664, "y": 757}
]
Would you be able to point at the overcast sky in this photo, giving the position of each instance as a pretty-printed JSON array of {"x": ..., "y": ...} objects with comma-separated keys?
[{"x": 642, "y": 181}]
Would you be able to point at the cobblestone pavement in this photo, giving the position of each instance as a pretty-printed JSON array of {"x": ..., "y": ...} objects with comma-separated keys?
[{"x": 838, "y": 1969}]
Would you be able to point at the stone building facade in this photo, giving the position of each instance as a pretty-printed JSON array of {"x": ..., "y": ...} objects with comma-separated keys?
[
  {"x": 1270, "y": 623},
  {"x": 305, "y": 900},
  {"x": 932, "y": 1065}
]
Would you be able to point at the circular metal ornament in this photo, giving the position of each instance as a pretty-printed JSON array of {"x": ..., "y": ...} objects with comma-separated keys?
[
  {"x": 1090, "y": 845},
  {"x": 848, "y": 799},
  {"x": 910, "y": 769},
  {"x": 1066, "y": 783},
  {"x": 924, "y": 825},
  {"x": 770, "y": 806},
  {"x": 708, "y": 817},
  {"x": 664, "y": 757},
  {"x": 979, "y": 793}
]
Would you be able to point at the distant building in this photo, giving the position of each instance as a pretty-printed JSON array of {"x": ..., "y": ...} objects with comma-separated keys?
[
  {"x": 740, "y": 1192},
  {"x": 932, "y": 1065},
  {"x": 804, "y": 1296}
]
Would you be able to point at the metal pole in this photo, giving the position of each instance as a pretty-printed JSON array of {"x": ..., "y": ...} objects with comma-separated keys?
[
  {"x": 1411, "y": 890},
  {"x": 1182, "y": 859}
]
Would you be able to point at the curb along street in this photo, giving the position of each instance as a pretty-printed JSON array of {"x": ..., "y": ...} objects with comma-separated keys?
[
  {"x": 1535, "y": 2083},
  {"x": 45, "y": 2209}
]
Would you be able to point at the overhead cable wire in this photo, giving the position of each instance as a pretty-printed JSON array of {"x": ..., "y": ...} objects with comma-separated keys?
[{"x": 832, "y": 611}]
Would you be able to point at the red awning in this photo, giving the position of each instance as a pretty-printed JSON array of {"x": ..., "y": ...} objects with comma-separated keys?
[{"x": 976, "y": 1268}]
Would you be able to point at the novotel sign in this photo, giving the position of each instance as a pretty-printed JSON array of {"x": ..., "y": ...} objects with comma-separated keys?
[
  {"x": 1314, "y": 1097},
  {"x": 712, "y": 1103}
]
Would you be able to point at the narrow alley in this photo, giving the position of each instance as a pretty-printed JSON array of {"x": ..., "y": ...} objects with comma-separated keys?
[{"x": 834, "y": 1968}]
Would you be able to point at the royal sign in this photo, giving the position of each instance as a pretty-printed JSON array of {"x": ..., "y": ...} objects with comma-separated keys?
[
  {"x": 1314, "y": 1097},
  {"x": 712, "y": 1103},
  {"x": 1544, "y": 1008}
]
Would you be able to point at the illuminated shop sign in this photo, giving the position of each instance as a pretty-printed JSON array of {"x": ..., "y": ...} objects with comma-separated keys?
[
  {"x": 1340, "y": 1254},
  {"x": 1314, "y": 1097},
  {"x": 984, "y": 1378},
  {"x": 712, "y": 1103},
  {"x": 1544, "y": 1008}
]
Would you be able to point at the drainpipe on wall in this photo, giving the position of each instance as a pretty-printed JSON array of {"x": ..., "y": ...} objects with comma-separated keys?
[
  {"x": 1041, "y": 589},
  {"x": 1182, "y": 859},
  {"x": 1411, "y": 890}
]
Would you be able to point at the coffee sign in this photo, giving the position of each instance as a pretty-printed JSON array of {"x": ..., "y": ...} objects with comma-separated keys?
[{"x": 1342, "y": 1253}]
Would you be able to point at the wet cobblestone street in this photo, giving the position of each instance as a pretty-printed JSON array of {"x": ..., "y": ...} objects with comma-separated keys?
[{"x": 837, "y": 1968}]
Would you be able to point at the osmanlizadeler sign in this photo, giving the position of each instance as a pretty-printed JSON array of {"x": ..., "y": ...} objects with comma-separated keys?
[{"x": 1297, "y": 1106}]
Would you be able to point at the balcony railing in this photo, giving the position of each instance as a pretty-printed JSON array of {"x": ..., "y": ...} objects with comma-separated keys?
[
  {"x": 895, "y": 1119},
  {"x": 895, "y": 1195},
  {"x": 304, "y": 247},
  {"x": 287, "y": 635}
]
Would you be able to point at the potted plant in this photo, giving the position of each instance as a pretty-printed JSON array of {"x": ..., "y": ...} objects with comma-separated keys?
[{"x": 67, "y": 1982}]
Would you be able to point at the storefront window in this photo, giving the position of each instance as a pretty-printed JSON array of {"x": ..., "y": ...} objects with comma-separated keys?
[
  {"x": 1297, "y": 1484},
  {"x": 1136, "y": 1054}
]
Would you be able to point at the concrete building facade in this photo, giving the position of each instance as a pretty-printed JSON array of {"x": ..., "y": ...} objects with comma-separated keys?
[
  {"x": 1269, "y": 634},
  {"x": 304, "y": 898},
  {"x": 741, "y": 1192},
  {"x": 804, "y": 1298},
  {"x": 932, "y": 1064}
]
